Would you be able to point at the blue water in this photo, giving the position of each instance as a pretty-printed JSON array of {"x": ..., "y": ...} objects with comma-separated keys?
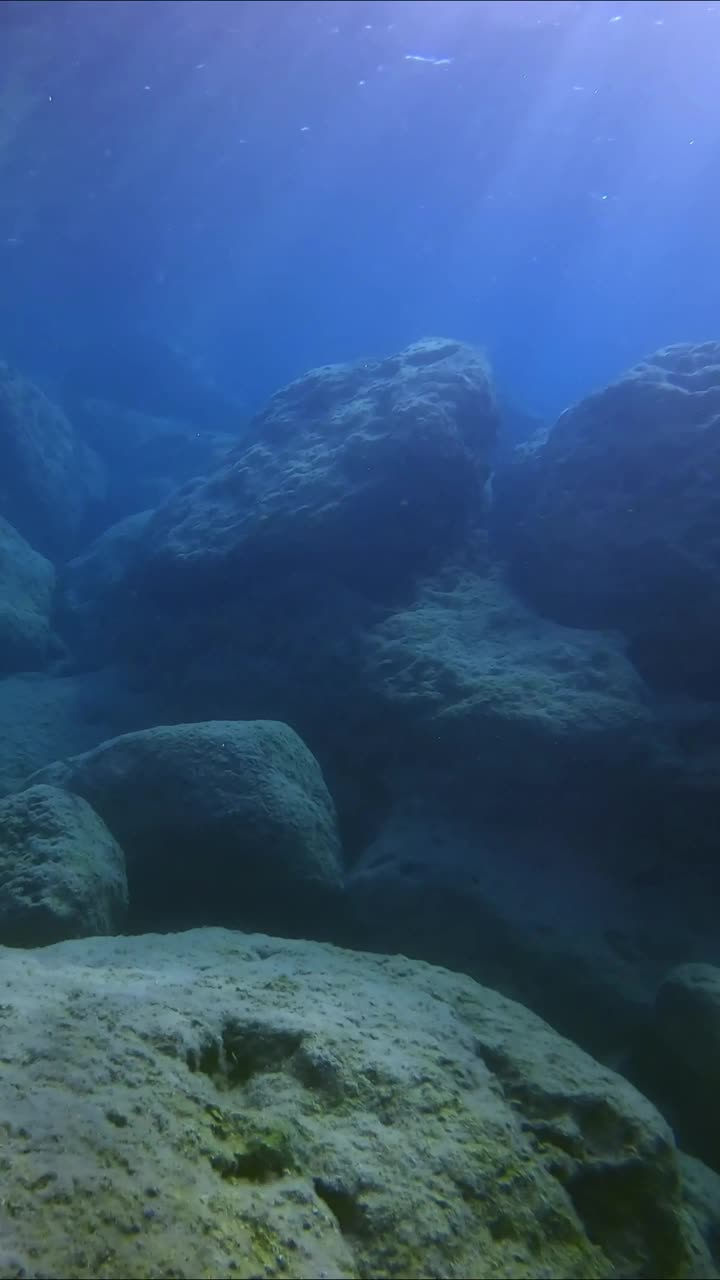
[
  {"x": 272, "y": 186},
  {"x": 495, "y": 669}
]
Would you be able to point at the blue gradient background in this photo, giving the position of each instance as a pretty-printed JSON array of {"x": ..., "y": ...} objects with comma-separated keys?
[{"x": 271, "y": 186}]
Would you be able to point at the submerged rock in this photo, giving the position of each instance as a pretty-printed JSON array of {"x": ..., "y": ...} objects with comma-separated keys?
[
  {"x": 214, "y": 818},
  {"x": 366, "y": 473},
  {"x": 51, "y": 480},
  {"x": 27, "y": 583},
  {"x": 611, "y": 518},
  {"x": 232, "y": 1104},
  {"x": 678, "y": 1063},
  {"x": 62, "y": 875},
  {"x": 701, "y": 1192},
  {"x": 490, "y": 685},
  {"x": 688, "y": 1012},
  {"x": 45, "y": 717},
  {"x": 95, "y": 608}
]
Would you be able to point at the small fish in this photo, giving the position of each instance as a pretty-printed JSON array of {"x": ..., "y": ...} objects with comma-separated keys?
[{"x": 434, "y": 62}]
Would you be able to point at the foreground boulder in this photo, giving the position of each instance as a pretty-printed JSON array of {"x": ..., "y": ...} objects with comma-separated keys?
[
  {"x": 51, "y": 480},
  {"x": 610, "y": 519},
  {"x": 27, "y": 582},
  {"x": 62, "y": 875},
  {"x": 226, "y": 1104},
  {"x": 364, "y": 473},
  {"x": 213, "y": 817}
]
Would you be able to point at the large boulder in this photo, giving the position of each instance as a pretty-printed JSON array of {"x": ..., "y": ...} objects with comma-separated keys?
[
  {"x": 27, "y": 583},
  {"x": 304, "y": 1111},
  {"x": 216, "y": 819},
  {"x": 62, "y": 875},
  {"x": 51, "y": 481},
  {"x": 491, "y": 687},
  {"x": 364, "y": 473},
  {"x": 611, "y": 518}
]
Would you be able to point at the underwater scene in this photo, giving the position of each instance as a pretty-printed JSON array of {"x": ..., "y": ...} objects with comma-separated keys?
[{"x": 359, "y": 639}]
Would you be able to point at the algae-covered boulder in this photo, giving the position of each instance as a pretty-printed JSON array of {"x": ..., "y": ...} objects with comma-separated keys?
[
  {"x": 27, "y": 583},
  {"x": 611, "y": 518},
  {"x": 365, "y": 473},
  {"x": 62, "y": 875},
  {"x": 213, "y": 816},
  {"x": 51, "y": 480},
  {"x": 212, "y": 1104}
]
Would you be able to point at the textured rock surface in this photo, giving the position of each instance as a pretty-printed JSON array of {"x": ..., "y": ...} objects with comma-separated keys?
[
  {"x": 27, "y": 582},
  {"x": 45, "y": 717},
  {"x": 213, "y": 813},
  {"x": 61, "y": 873},
  {"x": 367, "y": 473},
  {"x": 612, "y": 517},
  {"x": 479, "y": 676},
  {"x": 214, "y": 1103},
  {"x": 50, "y": 479}
]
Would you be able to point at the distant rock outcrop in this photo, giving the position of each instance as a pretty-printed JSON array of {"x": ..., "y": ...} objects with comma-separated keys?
[
  {"x": 612, "y": 517},
  {"x": 46, "y": 716},
  {"x": 95, "y": 606},
  {"x": 366, "y": 473},
  {"x": 144, "y": 375},
  {"x": 688, "y": 1016},
  {"x": 50, "y": 481},
  {"x": 27, "y": 583},
  {"x": 494, "y": 689},
  {"x": 147, "y": 457}
]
